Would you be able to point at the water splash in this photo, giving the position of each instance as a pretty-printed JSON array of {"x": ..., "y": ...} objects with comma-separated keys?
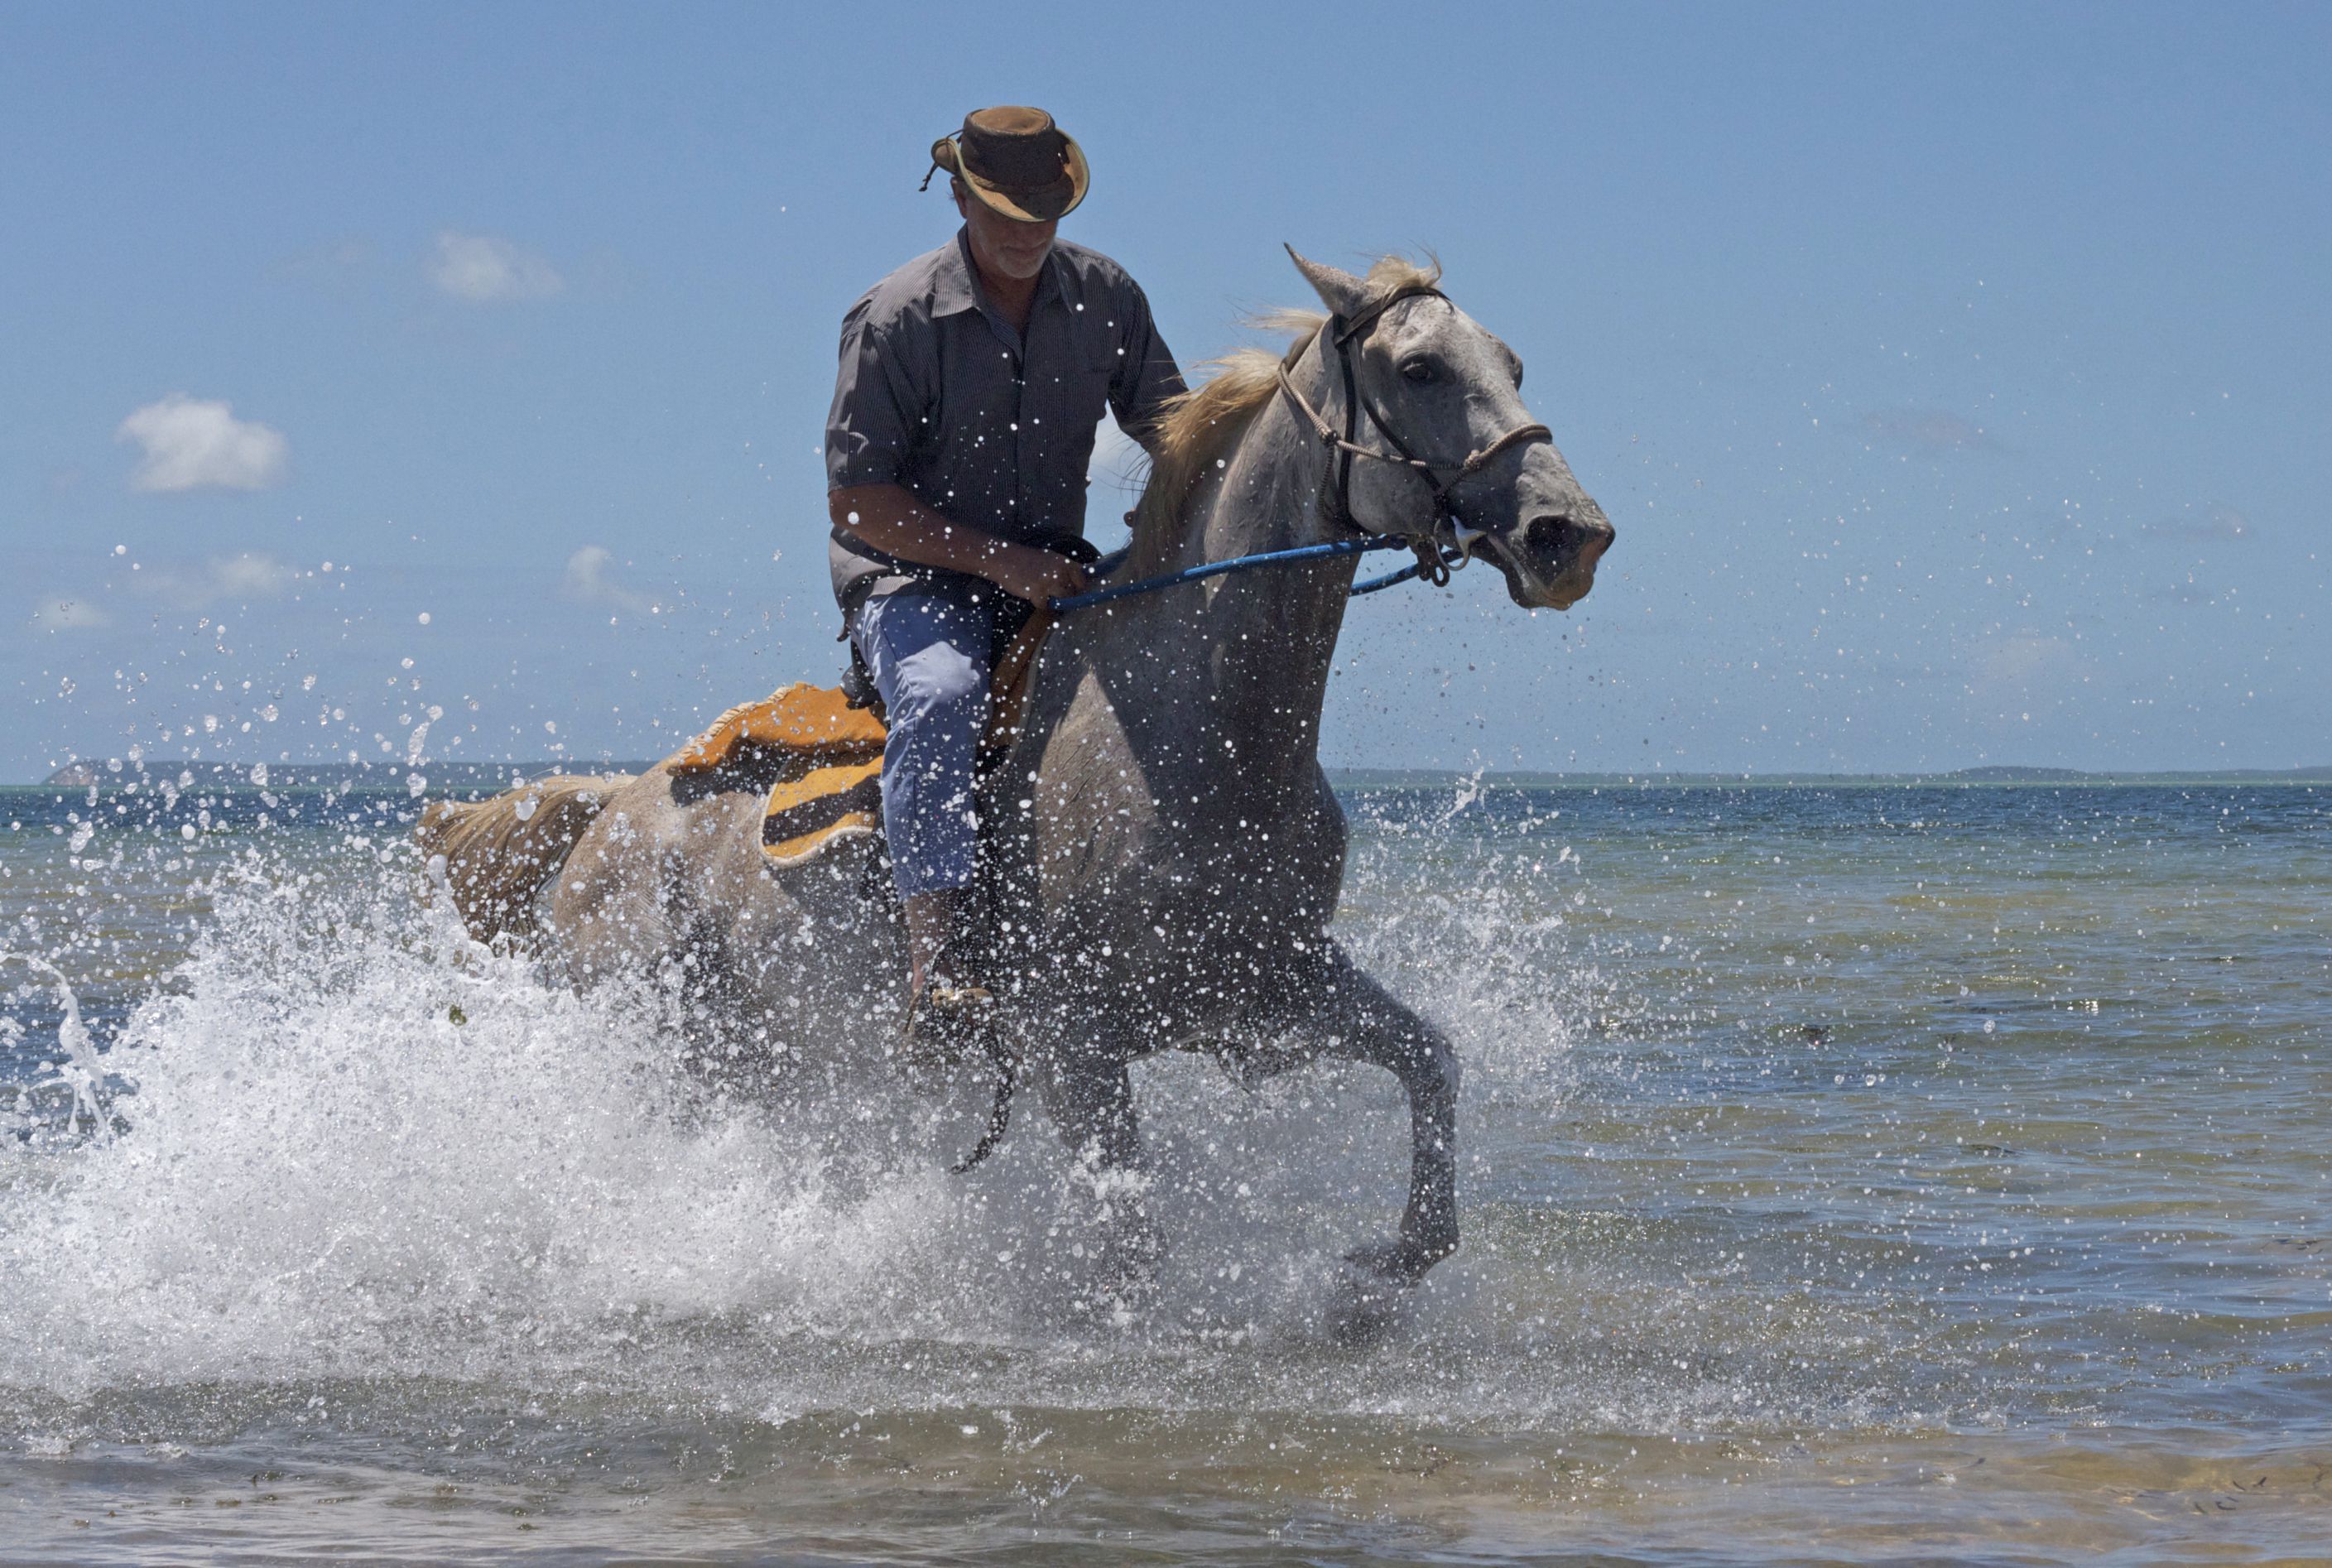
[
  {"x": 374, "y": 1190},
  {"x": 82, "y": 1071},
  {"x": 362, "y": 1147}
]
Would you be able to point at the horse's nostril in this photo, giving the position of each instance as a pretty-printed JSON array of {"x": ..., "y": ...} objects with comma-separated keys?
[{"x": 1570, "y": 539}]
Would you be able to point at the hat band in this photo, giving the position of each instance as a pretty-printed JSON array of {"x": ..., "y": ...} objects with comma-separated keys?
[
  {"x": 997, "y": 185},
  {"x": 958, "y": 166},
  {"x": 1015, "y": 164}
]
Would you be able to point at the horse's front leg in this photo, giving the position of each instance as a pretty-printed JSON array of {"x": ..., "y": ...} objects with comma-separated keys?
[
  {"x": 1088, "y": 1093},
  {"x": 1353, "y": 1016}
]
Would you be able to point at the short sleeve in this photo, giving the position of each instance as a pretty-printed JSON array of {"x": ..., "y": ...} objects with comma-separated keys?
[
  {"x": 867, "y": 430},
  {"x": 1147, "y": 375}
]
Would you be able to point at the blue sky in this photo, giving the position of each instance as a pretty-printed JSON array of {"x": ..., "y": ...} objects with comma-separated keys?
[{"x": 1959, "y": 380}]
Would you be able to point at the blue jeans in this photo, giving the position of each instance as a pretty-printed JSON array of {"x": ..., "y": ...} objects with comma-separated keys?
[{"x": 929, "y": 653}]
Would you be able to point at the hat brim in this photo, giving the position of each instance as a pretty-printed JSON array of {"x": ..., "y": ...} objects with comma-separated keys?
[{"x": 1044, "y": 205}]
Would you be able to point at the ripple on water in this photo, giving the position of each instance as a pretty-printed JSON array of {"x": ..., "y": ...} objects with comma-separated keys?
[{"x": 1847, "y": 1176}]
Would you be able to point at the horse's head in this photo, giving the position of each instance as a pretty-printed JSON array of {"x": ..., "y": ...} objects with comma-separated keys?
[{"x": 1439, "y": 389}]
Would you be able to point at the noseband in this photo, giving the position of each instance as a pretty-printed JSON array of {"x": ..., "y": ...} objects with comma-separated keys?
[{"x": 1337, "y": 486}]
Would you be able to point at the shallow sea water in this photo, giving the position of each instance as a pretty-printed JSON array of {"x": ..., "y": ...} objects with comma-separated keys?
[{"x": 1862, "y": 1175}]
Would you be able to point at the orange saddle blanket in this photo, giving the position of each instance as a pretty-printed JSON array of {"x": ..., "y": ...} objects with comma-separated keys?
[
  {"x": 828, "y": 754},
  {"x": 829, "y": 757}
]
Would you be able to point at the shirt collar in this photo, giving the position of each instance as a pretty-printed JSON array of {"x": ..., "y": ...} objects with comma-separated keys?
[{"x": 953, "y": 288}]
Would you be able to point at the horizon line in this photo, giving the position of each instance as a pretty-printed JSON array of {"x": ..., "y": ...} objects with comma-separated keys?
[{"x": 82, "y": 773}]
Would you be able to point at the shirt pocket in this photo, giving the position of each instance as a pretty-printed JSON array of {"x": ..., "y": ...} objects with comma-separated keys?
[{"x": 1101, "y": 361}]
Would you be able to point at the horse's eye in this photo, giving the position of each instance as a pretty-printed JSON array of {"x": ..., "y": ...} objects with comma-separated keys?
[{"x": 1418, "y": 371}]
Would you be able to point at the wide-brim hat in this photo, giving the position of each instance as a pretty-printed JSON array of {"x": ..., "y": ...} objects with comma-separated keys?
[{"x": 1015, "y": 161}]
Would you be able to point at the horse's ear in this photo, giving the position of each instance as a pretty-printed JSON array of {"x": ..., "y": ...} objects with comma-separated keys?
[{"x": 1342, "y": 293}]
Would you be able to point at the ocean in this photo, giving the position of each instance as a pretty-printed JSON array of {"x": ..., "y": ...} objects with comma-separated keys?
[{"x": 1860, "y": 1173}]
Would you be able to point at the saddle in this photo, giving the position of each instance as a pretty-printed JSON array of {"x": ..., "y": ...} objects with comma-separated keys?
[{"x": 823, "y": 746}]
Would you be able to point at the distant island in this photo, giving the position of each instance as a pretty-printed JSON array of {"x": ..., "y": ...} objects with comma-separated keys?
[
  {"x": 1360, "y": 780},
  {"x": 447, "y": 778},
  {"x": 439, "y": 777}
]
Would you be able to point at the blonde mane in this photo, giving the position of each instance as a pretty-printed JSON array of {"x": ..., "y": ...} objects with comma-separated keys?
[{"x": 1200, "y": 425}]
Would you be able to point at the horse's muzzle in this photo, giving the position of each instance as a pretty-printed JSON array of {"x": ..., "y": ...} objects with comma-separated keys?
[{"x": 1550, "y": 559}]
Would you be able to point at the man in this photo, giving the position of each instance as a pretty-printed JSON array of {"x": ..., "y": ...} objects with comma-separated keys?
[{"x": 970, "y": 384}]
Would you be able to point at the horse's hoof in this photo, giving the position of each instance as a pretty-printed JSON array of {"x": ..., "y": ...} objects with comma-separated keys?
[
  {"x": 1391, "y": 1263},
  {"x": 1371, "y": 1293},
  {"x": 1123, "y": 1266},
  {"x": 1125, "y": 1287}
]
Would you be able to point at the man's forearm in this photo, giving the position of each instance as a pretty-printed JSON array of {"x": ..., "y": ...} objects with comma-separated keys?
[{"x": 890, "y": 518}]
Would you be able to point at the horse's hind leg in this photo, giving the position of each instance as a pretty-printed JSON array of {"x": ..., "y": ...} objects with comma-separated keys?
[{"x": 1351, "y": 1015}]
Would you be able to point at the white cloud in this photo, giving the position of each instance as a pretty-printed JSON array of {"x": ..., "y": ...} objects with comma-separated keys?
[
  {"x": 193, "y": 442},
  {"x": 245, "y": 577},
  {"x": 1927, "y": 430},
  {"x": 2217, "y": 525},
  {"x": 587, "y": 579},
  {"x": 251, "y": 575},
  {"x": 61, "y": 615},
  {"x": 481, "y": 269},
  {"x": 2023, "y": 660},
  {"x": 2015, "y": 673}
]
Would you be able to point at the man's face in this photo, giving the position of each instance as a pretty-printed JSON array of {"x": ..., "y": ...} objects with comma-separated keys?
[{"x": 1005, "y": 247}]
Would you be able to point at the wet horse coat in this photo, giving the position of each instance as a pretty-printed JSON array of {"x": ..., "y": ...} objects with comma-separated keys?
[{"x": 1166, "y": 854}]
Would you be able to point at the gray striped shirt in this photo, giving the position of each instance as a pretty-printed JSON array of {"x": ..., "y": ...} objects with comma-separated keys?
[{"x": 937, "y": 393}]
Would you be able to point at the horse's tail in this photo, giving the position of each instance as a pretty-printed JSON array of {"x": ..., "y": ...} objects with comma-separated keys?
[{"x": 496, "y": 855}]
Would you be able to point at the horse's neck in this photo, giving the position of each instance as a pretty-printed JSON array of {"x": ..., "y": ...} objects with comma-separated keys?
[
  {"x": 1251, "y": 650},
  {"x": 1262, "y": 493},
  {"x": 1267, "y": 497}
]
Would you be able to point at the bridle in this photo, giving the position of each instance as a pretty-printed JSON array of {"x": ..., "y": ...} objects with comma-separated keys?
[{"x": 1337, "y": 486}]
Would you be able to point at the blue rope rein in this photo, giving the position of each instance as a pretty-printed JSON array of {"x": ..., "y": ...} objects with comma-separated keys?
[
  {"x": 1414, "y": 568},
  {"x": 1242, "y": 563}
]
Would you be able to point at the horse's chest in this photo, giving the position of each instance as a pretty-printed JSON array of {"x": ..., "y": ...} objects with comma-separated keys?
[{"x": 1180, "y": 885}]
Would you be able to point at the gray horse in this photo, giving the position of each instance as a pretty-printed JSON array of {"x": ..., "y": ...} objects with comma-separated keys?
[{"x": 1164, "y": 855}]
